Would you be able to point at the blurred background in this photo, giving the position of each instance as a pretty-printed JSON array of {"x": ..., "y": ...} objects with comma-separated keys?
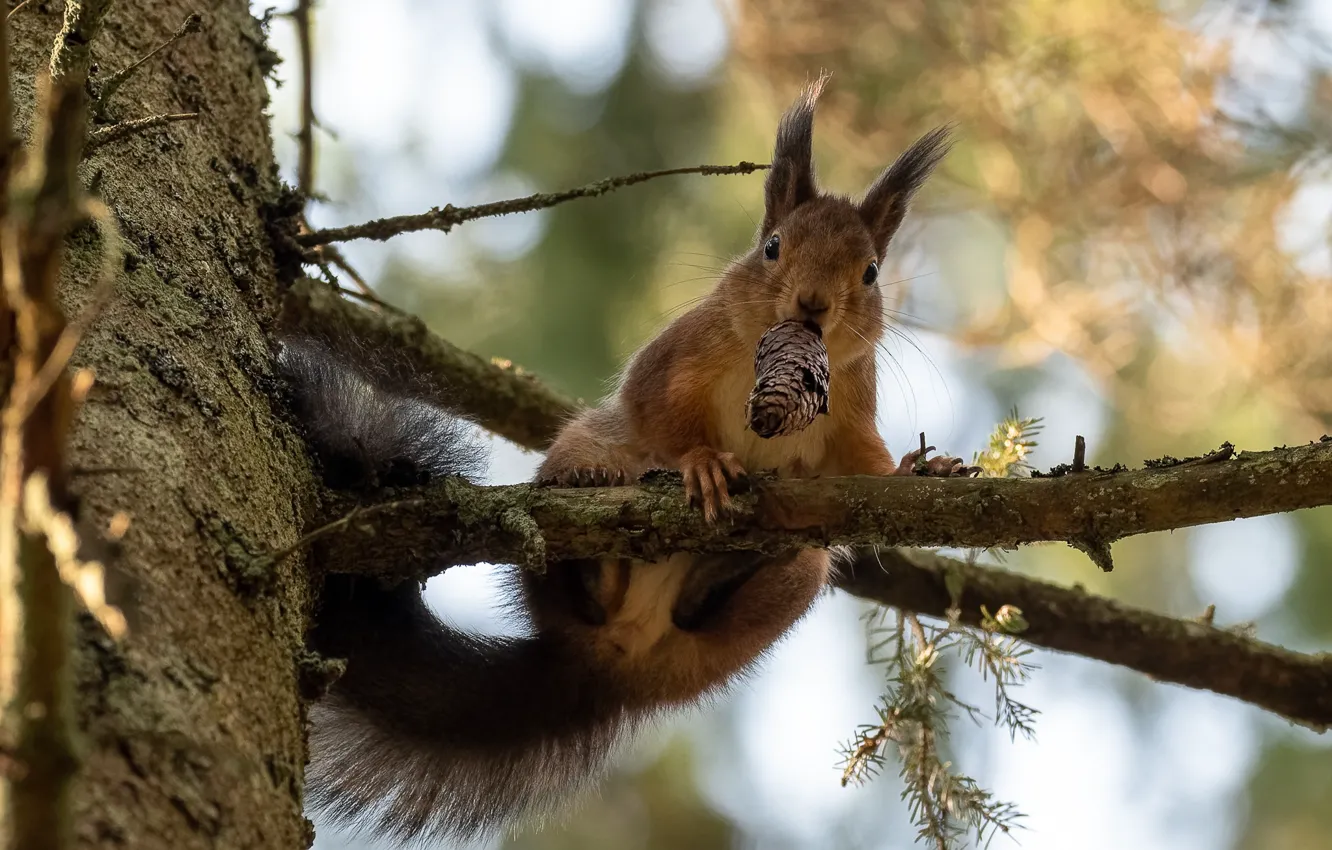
[{"x": 1132, "y": 240}]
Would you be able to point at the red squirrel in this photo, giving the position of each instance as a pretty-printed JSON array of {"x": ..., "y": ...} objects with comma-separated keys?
[{"x": 436, "y": 733}]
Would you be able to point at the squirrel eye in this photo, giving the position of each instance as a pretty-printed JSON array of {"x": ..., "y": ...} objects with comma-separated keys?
[
  {"x": 871, "y": 274},
  {"x": 773, "y": 248}
]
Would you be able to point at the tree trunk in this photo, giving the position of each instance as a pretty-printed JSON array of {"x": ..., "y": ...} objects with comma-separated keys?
[{"x": 191, "y": 726}]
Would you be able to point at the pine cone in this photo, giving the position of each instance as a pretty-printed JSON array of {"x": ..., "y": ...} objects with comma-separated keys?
[{"x": 791, "y": 380}]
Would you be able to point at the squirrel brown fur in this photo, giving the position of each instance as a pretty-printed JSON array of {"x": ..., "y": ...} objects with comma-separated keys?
[{"x": 435, "y": 733}]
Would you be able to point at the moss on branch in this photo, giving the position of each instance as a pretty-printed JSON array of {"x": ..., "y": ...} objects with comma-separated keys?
[{"x": 458, "y": 523}]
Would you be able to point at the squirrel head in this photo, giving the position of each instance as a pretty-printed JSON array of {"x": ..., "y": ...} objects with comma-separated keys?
[{"x": 817, "y": 255}]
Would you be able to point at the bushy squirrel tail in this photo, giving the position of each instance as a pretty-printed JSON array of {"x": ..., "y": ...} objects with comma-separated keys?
[{"x": 432, "y": 732}]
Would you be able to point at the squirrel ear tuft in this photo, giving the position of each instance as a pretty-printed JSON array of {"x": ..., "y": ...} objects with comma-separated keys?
[
  {"x": 886, "y": 202},
  {"x": 790, "y": 180}
]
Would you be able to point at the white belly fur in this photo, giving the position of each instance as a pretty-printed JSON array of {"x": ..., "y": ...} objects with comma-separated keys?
[
  {"x": 795, "y": 456},
  {"x": 644, "y": 617}
]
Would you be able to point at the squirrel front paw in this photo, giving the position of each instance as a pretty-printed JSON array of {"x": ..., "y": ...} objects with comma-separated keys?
[
  {"x": 913, "y": 463},
  {"x": 706, "y": 475},
  {"x": 585, "y": 476}
]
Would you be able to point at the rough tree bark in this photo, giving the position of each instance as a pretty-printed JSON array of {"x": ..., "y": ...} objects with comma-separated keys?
[{"x": 191, "y": 727}]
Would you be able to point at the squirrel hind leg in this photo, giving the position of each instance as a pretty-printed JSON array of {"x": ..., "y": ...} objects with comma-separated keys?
[
  {"x": 732, "y": 608},
  {"x": 712, "y": 582}
]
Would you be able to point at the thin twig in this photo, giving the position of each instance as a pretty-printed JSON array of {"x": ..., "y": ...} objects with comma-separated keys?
[
  {"x": 305, "y": 142},
  {"x": 446, "y": 218},
  {"x": 329, "y": 255},
  {"x": 917, "y": 630},
  {"x": 305, "y": 178},
  {"x": 374, "y": 301},
  {"x": 337, "y": 259},
  {"x": 192, "y": 24},
  {"x": 342, "y": 522},
  {"x": 126, "y": 129},
  {"x": 14, "y": 11}
]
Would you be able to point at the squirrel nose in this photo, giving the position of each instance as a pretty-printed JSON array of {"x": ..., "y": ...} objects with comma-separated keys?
[{"x": 812, "y": 307}]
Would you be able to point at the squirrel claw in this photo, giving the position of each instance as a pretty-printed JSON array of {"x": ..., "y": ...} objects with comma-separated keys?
[
  {"x": 936, "y": 467},
  {"x": 586, "y": 476},
  {"x": 707, "y": 474}
]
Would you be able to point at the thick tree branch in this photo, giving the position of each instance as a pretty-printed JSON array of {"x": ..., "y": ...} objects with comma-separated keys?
[
  {"x": 446, "y": 217},
  {"x": 458, "y": 523},
  {"x": 1185, "y": 652},
  {"x": 503, "y": 400}
]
